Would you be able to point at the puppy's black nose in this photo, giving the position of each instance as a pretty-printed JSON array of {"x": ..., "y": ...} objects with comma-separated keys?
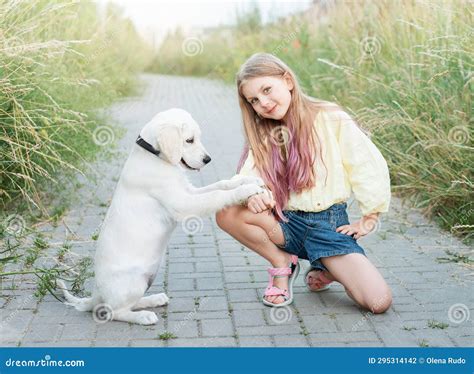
[{"x": 206, "y": 159}]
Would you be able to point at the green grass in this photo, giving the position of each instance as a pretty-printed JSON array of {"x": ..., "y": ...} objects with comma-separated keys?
[
  {"x": 403, "y": 69},
  {"x": 167, "y": 336},
  {"x": 437, "y": 325},
  {"x": 58, "y": 65},
  {"x": 423, "y": 343},
  {"x": 456, "y": 257}
]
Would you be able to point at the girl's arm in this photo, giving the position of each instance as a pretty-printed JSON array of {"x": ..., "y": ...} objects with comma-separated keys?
[
  {"x": 365, "y": 167},
  {"x": 368, "y": 175},
  {"x": 260, "y": 202}
]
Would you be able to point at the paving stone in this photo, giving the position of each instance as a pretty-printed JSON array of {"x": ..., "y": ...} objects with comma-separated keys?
[
  {"x": 147, "y": 343},
  {"x": 290, "y": 341},
  {"x": 209, "y": 283},
  {"x": 182, "y": 304},
  {"x": 268, "y": 330},
  {"x": 181, "y": 268},
  {"x": 208, "y": 266},
  {"x": 203, "y": 342},
  {"x": 183, "y": 328},
  {"x": 43, "y": 332},
  {"x": 327, "y": 338},
  {"x": 256, "y": 341},
  {"x": 181, "y": 285},
  {"x": 248, "y": 318},
  {"x": 244, "y": 295},
  {"x": 217, "y": 327},
  {"x": 79, "y": 331},
  {"x": 122, "y": 342},
  {"x": 61, "y": 343},
  {"x": 213, "y": 303}
]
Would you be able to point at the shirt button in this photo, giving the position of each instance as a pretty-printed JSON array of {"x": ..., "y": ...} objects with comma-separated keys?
[{"x": 319, "y": 204}]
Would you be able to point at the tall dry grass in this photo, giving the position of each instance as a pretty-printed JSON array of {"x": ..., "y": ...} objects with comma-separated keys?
[{"x": 59, "y": 62}]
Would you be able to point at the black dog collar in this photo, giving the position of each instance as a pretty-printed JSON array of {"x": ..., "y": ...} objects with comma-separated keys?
[{"x": 145, "y": 145}]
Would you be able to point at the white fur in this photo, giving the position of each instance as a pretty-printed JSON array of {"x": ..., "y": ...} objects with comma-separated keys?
[{"x": 151, "y": 196}]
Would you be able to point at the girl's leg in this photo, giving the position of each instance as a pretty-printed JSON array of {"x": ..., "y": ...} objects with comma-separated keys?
[
  {"x": 259, "y": 232},
  {"x": 361, "y": 279}
]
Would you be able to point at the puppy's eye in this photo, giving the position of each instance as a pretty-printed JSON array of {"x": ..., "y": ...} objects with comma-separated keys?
[
  {"x": 190, "y": 141},
  {"x": 267, "y": 90}
]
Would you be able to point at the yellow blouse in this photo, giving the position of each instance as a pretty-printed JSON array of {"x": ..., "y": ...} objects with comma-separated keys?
[{"x": 353, "y": 163}]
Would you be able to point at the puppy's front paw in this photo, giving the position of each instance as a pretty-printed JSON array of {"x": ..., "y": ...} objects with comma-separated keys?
[
  {"x": 247, "y": 190},
  {"x": 242, "y": 179},
  {"x": 255, "y": 180}
]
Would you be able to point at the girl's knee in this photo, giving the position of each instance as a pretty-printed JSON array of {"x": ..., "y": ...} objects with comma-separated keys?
[
  {"x": 226, "y": 216},
  {"x": 222, "y": 218},
  {"x": 381, "y": 301}
]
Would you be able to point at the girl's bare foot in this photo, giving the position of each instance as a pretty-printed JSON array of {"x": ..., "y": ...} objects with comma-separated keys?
[{"x": 314, "y": 281}]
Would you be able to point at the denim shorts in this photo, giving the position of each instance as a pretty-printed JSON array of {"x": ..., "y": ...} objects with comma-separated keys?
[{"x": 312, "y": 235}]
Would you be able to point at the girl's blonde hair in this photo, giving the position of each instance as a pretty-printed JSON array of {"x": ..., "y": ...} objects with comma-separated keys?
[{"x": 284, "y": 153}]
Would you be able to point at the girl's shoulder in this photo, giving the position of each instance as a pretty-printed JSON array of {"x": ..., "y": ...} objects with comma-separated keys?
[{"x": 327, "y": 113}]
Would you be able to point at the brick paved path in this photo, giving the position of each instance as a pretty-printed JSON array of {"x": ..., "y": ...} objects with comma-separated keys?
[{"x": 215, "y": 284}]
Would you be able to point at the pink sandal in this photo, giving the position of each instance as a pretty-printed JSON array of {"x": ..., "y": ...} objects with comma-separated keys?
[
  {"x": 326, "y": 283},
  {"x": 291, "y": 272}
]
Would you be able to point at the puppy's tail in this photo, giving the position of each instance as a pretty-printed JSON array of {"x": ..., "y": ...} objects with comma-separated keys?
[{"x": 85, "y": 304}]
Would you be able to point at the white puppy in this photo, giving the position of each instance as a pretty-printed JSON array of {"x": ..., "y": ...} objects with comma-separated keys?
[{"x": 151, "y": 196}]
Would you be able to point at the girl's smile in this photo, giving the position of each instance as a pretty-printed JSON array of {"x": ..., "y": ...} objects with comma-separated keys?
[{"x": 271, "y": 110}]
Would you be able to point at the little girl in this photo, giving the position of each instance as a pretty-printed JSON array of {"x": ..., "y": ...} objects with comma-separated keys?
[{"x": 311, "y": 155}]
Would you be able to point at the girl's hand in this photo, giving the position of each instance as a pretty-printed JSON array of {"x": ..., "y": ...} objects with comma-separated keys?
[
  {"x": 261, "y": 202},
  {"x": 360, "y": 228}
]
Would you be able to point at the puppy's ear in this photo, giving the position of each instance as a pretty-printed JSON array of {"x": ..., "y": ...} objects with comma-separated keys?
[{"x": 170, "y": 143}]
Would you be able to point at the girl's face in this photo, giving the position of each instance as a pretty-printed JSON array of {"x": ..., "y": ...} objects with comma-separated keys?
[{"x": 269, "y": 96}]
